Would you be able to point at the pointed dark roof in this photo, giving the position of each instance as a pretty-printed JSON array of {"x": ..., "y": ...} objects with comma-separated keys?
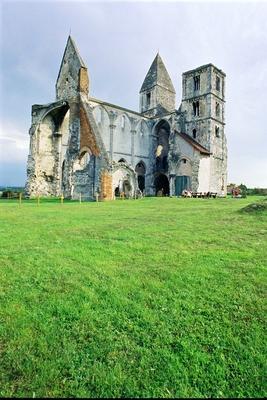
[
  {"x": 70, "y": 39},
  {"x": 71, "y": 44},
  {"x": 157, "y": 75}
]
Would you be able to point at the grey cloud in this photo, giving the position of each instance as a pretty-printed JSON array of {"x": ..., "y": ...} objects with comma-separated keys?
[{"x": 118, "y": 42}]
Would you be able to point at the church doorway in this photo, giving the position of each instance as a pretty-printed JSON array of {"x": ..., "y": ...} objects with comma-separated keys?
[
  {"x": 140, "y": 169},
  {"x": 117, "y": 192},
  {"x": 162, "y": 186},
  {"x": 141, "y": 182},
  {"x": 181, "y": 183}
]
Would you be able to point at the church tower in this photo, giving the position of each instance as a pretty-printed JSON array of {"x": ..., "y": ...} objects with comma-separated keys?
[
  {"x": 157, "y": 94},
  {"x": 203, "y": 106},
  {"x": 203, "y": 103}
]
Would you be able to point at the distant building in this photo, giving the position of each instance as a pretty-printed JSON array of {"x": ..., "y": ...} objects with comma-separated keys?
[{"x": 82, "y": 145}]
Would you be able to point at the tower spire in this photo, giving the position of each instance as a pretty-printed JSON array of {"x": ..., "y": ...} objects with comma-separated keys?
[
  {"x": 157, "y": 91},
  {"x": 71, "y": 69},
  {"x": 157, "y": 75}
]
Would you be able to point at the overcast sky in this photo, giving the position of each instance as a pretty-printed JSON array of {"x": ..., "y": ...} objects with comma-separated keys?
[{"x": 118, "y": 41}]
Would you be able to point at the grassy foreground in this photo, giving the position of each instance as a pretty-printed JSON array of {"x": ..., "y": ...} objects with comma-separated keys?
[{"x": 156, "y": 297}]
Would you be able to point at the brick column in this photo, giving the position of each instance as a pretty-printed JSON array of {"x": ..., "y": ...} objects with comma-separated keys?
[{"x": 106, "y": 186}]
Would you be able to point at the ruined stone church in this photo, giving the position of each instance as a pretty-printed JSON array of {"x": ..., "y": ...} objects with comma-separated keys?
[{"x": 83, "y": 146}]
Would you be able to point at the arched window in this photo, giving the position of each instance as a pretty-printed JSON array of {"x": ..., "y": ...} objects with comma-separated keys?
[
  {"x": 196, "y": 108},
  {"x": 196, "y": 83},
  {"x": 194, "y": 133},
  {"x": 99, "y": 115},
  {"x": 84, "y": 159},
  {"x": 218, "y": 83},
  {"x": 148, "y": 99},
  {"x": 142, "y": 128},
  {"x": 217, "y": 110},
  {"x": 217, "y": 131},
  {"x": 123, "y": 122},
  {"x": 140, "y": 169}
]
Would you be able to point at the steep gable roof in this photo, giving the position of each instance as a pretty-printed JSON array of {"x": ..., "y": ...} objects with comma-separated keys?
[
  {"x": 90, "y": 135},
  {"x": 71, "y": 48},
  {"x": 157, "y": 75}
]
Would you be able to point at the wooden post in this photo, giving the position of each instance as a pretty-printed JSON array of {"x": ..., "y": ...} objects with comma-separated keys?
[
  {"x": 62, "y": 198},
  {"x": 96, "y": 197}
]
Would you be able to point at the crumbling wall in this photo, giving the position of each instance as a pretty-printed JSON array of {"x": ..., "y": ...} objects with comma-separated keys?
[
  {"x": 41, "y": 162},
  {"x": 83, "y": 180},
  {"x": 87, "y": 138},
  {"x": 83, "y": 81}
]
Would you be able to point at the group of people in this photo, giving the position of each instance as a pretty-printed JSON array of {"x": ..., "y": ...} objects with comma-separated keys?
[
  {"x": 187, "y": 193},
  {"x": 236, "y": 192}
]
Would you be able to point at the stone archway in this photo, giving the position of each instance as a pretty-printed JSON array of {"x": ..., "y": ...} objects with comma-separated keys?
[
  {"x": 162, "y": 132},
  {"x": 123, "y": 180},
  {"x": 140, "y": 170},
  {"x": 162, "y": 186}
]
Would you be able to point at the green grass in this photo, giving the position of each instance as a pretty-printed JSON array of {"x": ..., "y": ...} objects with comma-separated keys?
[{"x": 159, "y": 297}]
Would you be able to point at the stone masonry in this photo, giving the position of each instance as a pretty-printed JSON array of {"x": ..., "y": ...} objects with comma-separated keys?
[{"x": 83, "y": 146}]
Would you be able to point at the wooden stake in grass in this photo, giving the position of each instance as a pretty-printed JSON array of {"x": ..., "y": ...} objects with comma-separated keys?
[{"x": 62, "y": 198}]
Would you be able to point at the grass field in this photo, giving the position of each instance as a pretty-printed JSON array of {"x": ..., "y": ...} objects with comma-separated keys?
[{"x": 159, "y": 297}]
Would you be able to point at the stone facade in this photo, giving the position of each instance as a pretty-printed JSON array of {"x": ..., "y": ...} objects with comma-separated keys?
[{"x": 80, "y": 145}]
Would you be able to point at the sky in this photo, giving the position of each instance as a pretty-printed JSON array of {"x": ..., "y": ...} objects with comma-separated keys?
[{"x": 118, "y": 42}]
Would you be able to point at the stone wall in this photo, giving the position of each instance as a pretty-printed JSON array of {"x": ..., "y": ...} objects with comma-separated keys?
[
  {"x": 165, "y": 99},
  {"x": 204, "y": 174},
  {"x": 127, "y": 135}
]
